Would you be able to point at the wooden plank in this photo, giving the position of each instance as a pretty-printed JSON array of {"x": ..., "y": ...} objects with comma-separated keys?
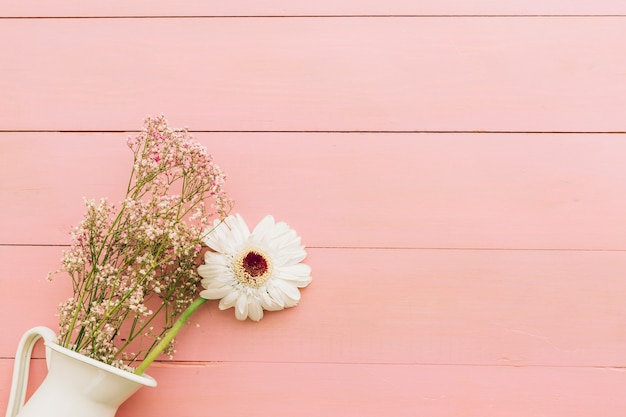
[
  {"x": 288, "y": 389},
  {"x": 519, "y": 308},
  {"x": 316, "y": 74},
  {"x": 41, "y": 8},
  {"x": 511, "y": 191}
]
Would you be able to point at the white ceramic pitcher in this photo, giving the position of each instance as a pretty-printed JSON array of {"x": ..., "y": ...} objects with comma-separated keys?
[{"x": 76, "y": 386}]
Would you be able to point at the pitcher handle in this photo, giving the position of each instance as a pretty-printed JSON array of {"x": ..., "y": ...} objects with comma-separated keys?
[{"x": 22, "y": 366}]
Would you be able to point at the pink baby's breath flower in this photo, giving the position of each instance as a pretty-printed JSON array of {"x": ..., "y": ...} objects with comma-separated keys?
[{"x": 133, "y": 266}]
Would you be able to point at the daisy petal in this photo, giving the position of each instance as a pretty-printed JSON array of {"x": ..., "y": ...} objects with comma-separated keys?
[
  {"x": 210, "y": 271},
  {"x": 299, "y": 274},
  {"x": 264, "y": 229},
  {"x": 255, "y": 312},
  {"x": 240, "y": 228},
  {"x": 291, "y": 295},
  {"x": 241, "y": 307},
  {"x": 276, "y": 295},
  {"x": 227, "y": 235},
  {"x": 268, "y": 303},
  {"x": 228, "y": 301},
  {"x": 215, "y": 293}
]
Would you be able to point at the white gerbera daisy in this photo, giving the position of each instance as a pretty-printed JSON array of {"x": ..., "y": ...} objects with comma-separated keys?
[{"x": 253, "y": 271}]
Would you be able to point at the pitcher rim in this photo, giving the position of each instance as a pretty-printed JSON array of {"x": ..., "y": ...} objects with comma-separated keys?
[{"x": 143, "y": 379}]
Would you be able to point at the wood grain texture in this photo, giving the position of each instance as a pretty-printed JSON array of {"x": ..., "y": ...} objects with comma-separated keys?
[
  {"x": 511, "y": 191},
  {"x": 455, "y": 168},
  {"x": 43, "y": 8},
  {"x": 316, "y": 74},
  {"x": 287, "y": 389},
  {"x": 548, "y": 308}
]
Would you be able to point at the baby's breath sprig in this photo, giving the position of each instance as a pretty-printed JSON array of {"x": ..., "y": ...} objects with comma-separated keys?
[{"x": 133, "y": 266}]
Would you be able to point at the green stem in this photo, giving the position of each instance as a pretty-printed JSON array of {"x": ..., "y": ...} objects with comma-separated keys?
[{"x": 182, "y": 320}]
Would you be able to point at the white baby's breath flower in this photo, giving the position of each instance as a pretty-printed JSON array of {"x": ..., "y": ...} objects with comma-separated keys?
[{"x": 254, "y": 271}]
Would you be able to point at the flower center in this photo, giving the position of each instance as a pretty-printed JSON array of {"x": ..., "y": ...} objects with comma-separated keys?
[
  {"x": 252, "y": 267},
  {"x": 254, "y": 264}
]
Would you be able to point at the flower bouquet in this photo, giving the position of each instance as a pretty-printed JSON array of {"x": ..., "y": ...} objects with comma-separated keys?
[{"x": 136, "y": 267}]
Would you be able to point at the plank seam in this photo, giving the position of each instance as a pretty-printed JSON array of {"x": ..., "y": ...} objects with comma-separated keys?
[
  {"x": 496, "y": 132},
  {"x": 329, "y": 16},
  {"x": 181, "y": 363},
  {"x": 410, "y": 248}
]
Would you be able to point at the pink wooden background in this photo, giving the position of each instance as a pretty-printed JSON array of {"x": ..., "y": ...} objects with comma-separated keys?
[{"x": 457, "y": 170}]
